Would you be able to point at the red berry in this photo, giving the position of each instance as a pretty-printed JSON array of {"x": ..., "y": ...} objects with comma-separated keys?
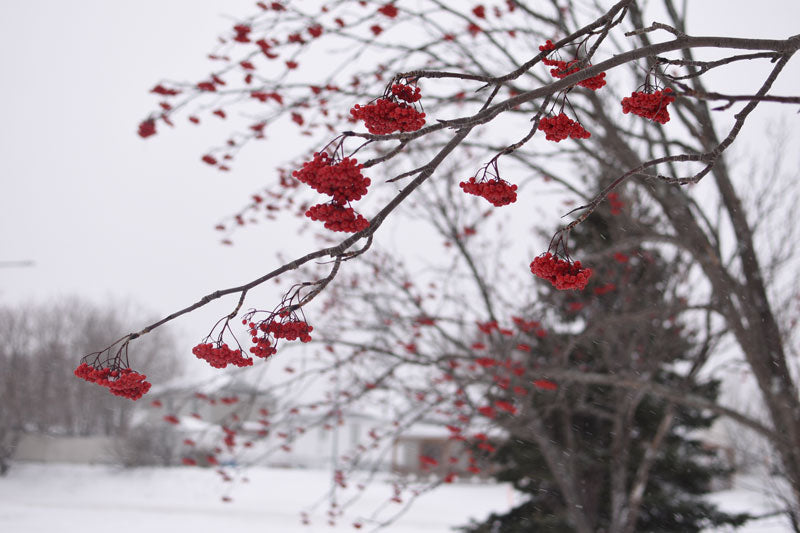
[
  {"x": 497, "y": 191},
  {"x": 560, "y": 127},
  {"x": 220, "y": 356},
  {"x": 343, "y": 180},
  {"x": 562, "y": 69},
  {"x": 406, "y": 92},
  {"x": 338, "y": 217},
  {"x": 651, "y": 106},
  {"x": 147, "y": 128},
  {"x": 125, "y": 382},
  {"x": 563, "y": 275},
  {"x": 388, "y": 10},
  {"x": 386, "y": 116}
]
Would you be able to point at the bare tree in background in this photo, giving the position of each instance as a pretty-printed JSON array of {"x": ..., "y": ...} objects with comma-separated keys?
[{"x": 37, "y": 389}]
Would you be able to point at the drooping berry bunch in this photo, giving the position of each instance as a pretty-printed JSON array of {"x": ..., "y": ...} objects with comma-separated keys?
[
  {"x": 497, "y": 191},
  {"x": 595, "y": 82},
  {"x": 119, "y": 381},
  {"x": 651, "y": 106},
  {"x": 386, "y": 116},
  {"x": 388, "y": 10},
  {"x": 562, "y": 274},
  {"x": 406, "y": 92},
  {"x": 392, "y": 112},
  {"x": 560, "y": 127},
  {"x": 338, "y": 217},
  {"x": 342, "y": 180},
  {"x": 262, "y": 346},
  {"x": 147, "y": 128},
  {"x": 242, "y": 33},
  {"x": 277, "y": 325},
  {"x": 219, "y": 355},
  {"x": 615, "y": 203},
  {"x": 488, "y": 184},
  {"x": 290, "y": 330},
  {"x": 562, "y": 69}
]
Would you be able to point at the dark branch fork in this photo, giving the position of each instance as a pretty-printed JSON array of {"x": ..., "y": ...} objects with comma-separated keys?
[{"x": 709, "y": 157}]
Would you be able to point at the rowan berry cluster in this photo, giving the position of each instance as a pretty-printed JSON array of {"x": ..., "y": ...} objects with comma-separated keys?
[
  {"x": 563, "y": 275},
  {"x": 343, "y": 180},
  {"x": 406, "y": 92},
  {"x": 615, "y": 203},
  {"x": 651, "y": 106},
  {"x": 164, "y": 91},
  {"x": 526, "y": 325},
  {"x": 265, "y": 334},
  {"x": 387, "y": 116},
  {"x": 290, "y": 330},
  {"x": 595, "y": 82},
  {"x": 497, "y": 191},
  {"x": 488, "y": 327},
  {"x": 147, "y": 128},
  {"x": 560, "y": 127},
  {"x": 264, "y": 347},
  {"x": 242, "y": 33},
  {"x": 120, "y": 382},
  {"x": 562, "y": 69},
  {"x": 338, "y": 217},
  {"x": 388, "y": 10},
  {"x": 220, "y": 355},
  {"x": 545, "y": 384}
]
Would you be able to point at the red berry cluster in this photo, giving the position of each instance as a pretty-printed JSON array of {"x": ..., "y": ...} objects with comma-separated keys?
[
  {"x": 164, "y": 91},
  {"x": 497, "y": 191},
  {"x": 220, "y": 356},
  {"x": 652, "y": 106},
  {"x": 406, "y": 92},
  {"x": 242, "y": 33},
  {"x": 562, "y": 274},
  {"x": 562, "y": 69},
  {"x": 290, "y": 330},
  {"x": 147, "y": 128},
  {"x": 338, "y": 217},
  {"x": 488, "y": 327},
  {"x": 545, "y": 384},
  {"x": 560, "y": 127},
  {"x": 264, "y": 346},
  {"x": 342, "y": 180},
  {"x": 387, "y": 116},
  {"x": 595, "y": 82},
  {"x": 120, "y": 382},
  {"x": 526, "y": 325},
  {"x": 615, "y": 203},
  {"x": 266, "y": 333},
  {"x": 388, "y": 10}
]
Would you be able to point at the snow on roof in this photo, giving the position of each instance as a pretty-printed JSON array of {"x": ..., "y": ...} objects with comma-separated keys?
[{"x": 428, "y": 430}]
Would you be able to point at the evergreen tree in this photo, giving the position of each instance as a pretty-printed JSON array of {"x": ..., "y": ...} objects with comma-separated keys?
[{"x": 627, "y": 321}]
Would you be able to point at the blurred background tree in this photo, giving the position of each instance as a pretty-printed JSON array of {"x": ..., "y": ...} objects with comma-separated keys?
[{"x": 38, "y": 390}]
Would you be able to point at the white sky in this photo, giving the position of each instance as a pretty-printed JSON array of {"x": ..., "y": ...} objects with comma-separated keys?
[
  {"x": 102, "y": 212},
  {"x": 107, "y": 215}
]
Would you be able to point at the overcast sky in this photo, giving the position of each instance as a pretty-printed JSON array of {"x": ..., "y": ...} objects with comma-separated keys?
[{"x": 103, "y": 213}]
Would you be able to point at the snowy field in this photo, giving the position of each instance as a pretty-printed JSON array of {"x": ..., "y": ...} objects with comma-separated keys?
[
  {"x": 69, "y": 498},
  {"x": 93, "y": 499}
]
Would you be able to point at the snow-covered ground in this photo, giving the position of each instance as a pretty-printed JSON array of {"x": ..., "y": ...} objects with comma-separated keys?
[{"x": 37, "y": 498}]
